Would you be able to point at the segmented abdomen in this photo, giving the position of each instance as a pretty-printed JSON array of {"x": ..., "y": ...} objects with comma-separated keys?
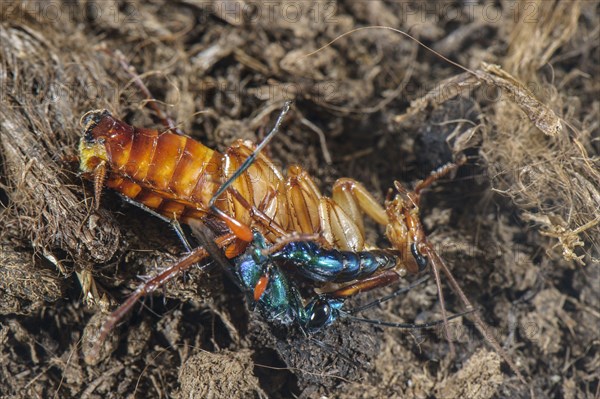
[
  {"x": 177, "y": 177},
  {"x": 172, "y": 174}
]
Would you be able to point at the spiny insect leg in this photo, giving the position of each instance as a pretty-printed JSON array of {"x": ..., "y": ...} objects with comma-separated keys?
[{"x": 151, "y": 285}]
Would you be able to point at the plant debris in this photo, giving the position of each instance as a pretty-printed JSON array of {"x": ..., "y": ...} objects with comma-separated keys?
[{"x": 518, "y": 225}]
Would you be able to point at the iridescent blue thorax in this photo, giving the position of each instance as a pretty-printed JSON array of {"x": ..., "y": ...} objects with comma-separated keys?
[{"x": 281, "y": 301}]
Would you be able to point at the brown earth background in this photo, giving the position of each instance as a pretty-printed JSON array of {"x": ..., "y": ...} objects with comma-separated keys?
[{"x": 518, "y": 225}]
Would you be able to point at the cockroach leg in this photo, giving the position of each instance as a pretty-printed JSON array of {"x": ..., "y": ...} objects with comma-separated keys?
[
  {"x": 173, "y": 222},
  {"x": 150, "y": 286},
  {"x": 484, "y": 329}
]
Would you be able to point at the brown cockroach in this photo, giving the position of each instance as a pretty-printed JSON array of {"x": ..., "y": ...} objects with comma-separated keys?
[{"x": 178, "y": 178}]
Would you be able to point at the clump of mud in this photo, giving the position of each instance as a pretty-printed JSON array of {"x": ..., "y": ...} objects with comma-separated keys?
[{"x": 518, "y": 225}]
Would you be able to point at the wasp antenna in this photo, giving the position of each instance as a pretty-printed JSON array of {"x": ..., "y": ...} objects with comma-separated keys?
[
  {"x": 241, "y": 230},
  {"x": 246, "y": 164},
  {"x": 407, "y": 326},
  {"x": 390, "y": 296}
]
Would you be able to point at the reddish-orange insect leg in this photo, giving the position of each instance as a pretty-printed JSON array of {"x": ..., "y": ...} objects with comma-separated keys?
[
  {"x": 289, "y": 238},
  {"x": 285, "y": 238},
  {"x": 263, "y": 281},
  {"x": 241, "y": 230},
  {"x": 257, "y": 214},
  {"x": 438, "y": 174},
  {"x": 378, "y": 280},
  {"x": 149, "y": 287}
]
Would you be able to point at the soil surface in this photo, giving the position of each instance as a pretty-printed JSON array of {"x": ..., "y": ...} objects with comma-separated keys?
[{"x": 517, "y": 225}]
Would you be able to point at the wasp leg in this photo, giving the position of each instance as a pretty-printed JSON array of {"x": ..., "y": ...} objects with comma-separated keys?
[
  {"x": 268, "y": 223},
  {"x": 382, "y": 279},
  {"x": 393, "y": 295}
]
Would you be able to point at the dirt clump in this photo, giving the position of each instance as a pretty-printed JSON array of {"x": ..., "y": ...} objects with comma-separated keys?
[{"x": 518, "y": 225}]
